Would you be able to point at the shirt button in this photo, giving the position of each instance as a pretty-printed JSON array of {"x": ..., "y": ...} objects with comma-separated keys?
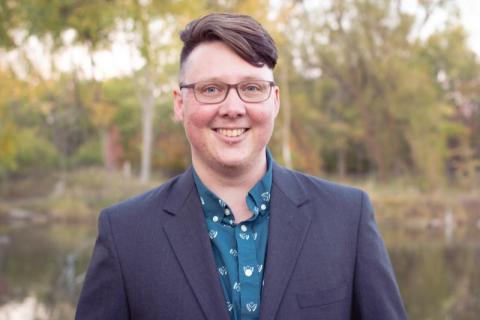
[
  {"x": 263, "y": 206},
  {"x": 227, "y": 211},
  {"x": 248, "y": 272},
  {"x": 215, "y": 219},
  {"x": 243, "y": 228}
]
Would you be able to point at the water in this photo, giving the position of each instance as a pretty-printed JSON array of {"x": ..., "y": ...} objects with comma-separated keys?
[
  {"x": 437, "y": 271},
  {"x": 42, "y": 268}
]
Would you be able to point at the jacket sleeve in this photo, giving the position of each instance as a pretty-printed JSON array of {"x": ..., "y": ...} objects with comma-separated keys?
[
  {"x": 103, "y": 295},
  {"x": 375, "y": 293}
]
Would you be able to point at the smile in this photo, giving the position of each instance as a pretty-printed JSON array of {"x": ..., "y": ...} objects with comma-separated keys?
[{"x": 231, "y": 133}]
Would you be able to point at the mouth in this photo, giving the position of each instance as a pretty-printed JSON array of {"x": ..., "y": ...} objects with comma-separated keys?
[{"x": 231, "y": 133}]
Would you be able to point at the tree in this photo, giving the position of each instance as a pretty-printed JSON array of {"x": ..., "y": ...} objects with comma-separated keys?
[
  {"x": 9, "y": 93},
  {"x": 457, "y": 72},
  {"x": 382, "y": 97}
]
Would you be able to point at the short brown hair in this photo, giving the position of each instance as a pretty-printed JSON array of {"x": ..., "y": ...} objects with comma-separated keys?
[{"x": 241, "y": 33}]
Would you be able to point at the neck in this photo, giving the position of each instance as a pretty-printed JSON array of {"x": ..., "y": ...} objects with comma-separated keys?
[{"x": 227, "y": 182}]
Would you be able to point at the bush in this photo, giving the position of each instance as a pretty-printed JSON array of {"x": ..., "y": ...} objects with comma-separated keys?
[
  {"x": 89, "y": 154},
  {"x": 35, "y": 153},
  {"x": 70, "y": 208}
]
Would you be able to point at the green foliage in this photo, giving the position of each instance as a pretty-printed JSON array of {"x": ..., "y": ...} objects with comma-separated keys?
[
  {"x": 35, "y": 152},
  {"x": 375, "y": 90},
  {"x": 457, "y": 73},
  {"x": 88, "y": 154},
  {"x": 9, "y": 18},
  {"x": 7, "y": 147},
  {"x": 366, "y": 96},
  {"x": 171, "y": 149},
  {"x": 92, "y": 20},
  {"x": 119, "y": 94},
  {"x": 11, "y": 97},
  {"x": 65, "y": 118},
  {"x": 69, "y": 208}
]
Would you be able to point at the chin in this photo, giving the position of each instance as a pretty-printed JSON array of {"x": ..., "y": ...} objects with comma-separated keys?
[{"x": 232, "y": 163}]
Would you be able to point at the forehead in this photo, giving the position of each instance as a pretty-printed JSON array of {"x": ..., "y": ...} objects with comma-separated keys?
[{"x": 215, "y": 60}]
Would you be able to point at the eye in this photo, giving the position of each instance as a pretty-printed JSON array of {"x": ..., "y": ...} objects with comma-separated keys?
[
  {"x": 210, "y": 88},
  {"x": 253, "y": 87}
]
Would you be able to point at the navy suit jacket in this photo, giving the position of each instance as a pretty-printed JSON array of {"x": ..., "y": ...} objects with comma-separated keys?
[{"x": 325, "y": 258}]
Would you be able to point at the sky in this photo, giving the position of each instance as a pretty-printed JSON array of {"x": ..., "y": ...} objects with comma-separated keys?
[
  {"x": 469, "y": 17},
  {"x": 470, "y": 13},
  {"x": 122, "y": 59}
]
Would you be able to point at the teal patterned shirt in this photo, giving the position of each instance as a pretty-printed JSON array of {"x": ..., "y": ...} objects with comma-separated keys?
[{"x": 239, "y": 249}]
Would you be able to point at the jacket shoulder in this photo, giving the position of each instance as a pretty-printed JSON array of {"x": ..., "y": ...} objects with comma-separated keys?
[
  {"x": 151, "y": 201},
  {"x": 324, "y": 189}
]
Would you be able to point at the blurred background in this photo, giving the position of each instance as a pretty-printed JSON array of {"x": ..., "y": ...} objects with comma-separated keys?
[{"x": 380, "y": 94}]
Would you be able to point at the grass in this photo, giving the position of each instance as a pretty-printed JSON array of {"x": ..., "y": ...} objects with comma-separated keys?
[
  {"x": 79, "y": 196},
  {"x": 406, "y": 202},
  {"x": 75, "y": 196}
]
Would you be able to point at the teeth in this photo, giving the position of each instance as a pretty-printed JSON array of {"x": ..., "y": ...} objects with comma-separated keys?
[{"x": 231, "y": 132}]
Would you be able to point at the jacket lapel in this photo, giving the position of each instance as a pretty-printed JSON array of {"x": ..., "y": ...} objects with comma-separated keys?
[
  {"x": 188, "y": 236},
  {"x": 287, "y": 230}
]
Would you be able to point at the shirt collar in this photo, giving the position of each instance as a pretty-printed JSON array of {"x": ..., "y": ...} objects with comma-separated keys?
[{"x": 258, "y": 198}]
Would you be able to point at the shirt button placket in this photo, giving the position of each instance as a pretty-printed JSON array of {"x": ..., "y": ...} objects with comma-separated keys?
[{"x": 248, "y": 275}]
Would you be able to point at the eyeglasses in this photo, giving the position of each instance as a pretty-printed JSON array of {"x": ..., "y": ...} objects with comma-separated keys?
[{"x": 212, "y": 92}]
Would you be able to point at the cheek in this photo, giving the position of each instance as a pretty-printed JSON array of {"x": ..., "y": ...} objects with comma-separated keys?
[
  {"x": 199, "y": 119},
  {"x": 263, "y": 123},
  {"x": 197, "y": 126},
  {"x": 262, "y": 117}
]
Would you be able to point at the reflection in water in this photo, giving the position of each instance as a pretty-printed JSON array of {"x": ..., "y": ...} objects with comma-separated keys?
[
  {"x": 437, "y": 271},
  {"x": 42, "y": 267},
  {"x": 38, "y": 270},
  {"x": 29, "y": 308}
]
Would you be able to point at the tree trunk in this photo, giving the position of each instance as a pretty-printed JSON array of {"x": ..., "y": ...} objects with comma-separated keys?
[
  {"x": 341, "y": 163},
  {"x": 148, "y": 102},
  {"x": 287, "y": 117}
]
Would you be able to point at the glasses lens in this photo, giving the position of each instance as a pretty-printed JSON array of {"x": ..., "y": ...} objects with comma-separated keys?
[
  {"x": 254, "y": 90},
  {"x": 210, "y": 92}
]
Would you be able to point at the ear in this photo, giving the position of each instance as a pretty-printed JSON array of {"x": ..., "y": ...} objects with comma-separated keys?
[
  {"x": 276, "y": 100},
  {"x": 178, "y": 105}
]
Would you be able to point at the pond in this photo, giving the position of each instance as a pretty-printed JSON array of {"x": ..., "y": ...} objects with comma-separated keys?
[{"x": 42, "y": 268}]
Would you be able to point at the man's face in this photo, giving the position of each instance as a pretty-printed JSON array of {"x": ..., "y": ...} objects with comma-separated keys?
[{"x": 231, "y": 134}]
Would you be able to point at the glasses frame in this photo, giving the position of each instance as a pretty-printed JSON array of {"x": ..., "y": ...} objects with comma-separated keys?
[{"x": 227, "y": 92}]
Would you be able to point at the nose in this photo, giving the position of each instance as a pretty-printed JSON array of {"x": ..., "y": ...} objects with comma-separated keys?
[{"x": 232, "y": 106}]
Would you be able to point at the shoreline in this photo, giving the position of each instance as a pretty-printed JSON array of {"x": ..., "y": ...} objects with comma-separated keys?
[{"x": 78, "y": 197}]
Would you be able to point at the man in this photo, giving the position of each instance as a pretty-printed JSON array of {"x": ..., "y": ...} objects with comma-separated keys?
[{"x": 237, "y": 236}]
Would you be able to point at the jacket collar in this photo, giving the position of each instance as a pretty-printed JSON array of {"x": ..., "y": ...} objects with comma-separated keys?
[
  {"x": 289, "y": 224},
  {"x": 180, "y": 191},
  {"x": 285, "y": 180},
  {"x": 188, "y": 236}
]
